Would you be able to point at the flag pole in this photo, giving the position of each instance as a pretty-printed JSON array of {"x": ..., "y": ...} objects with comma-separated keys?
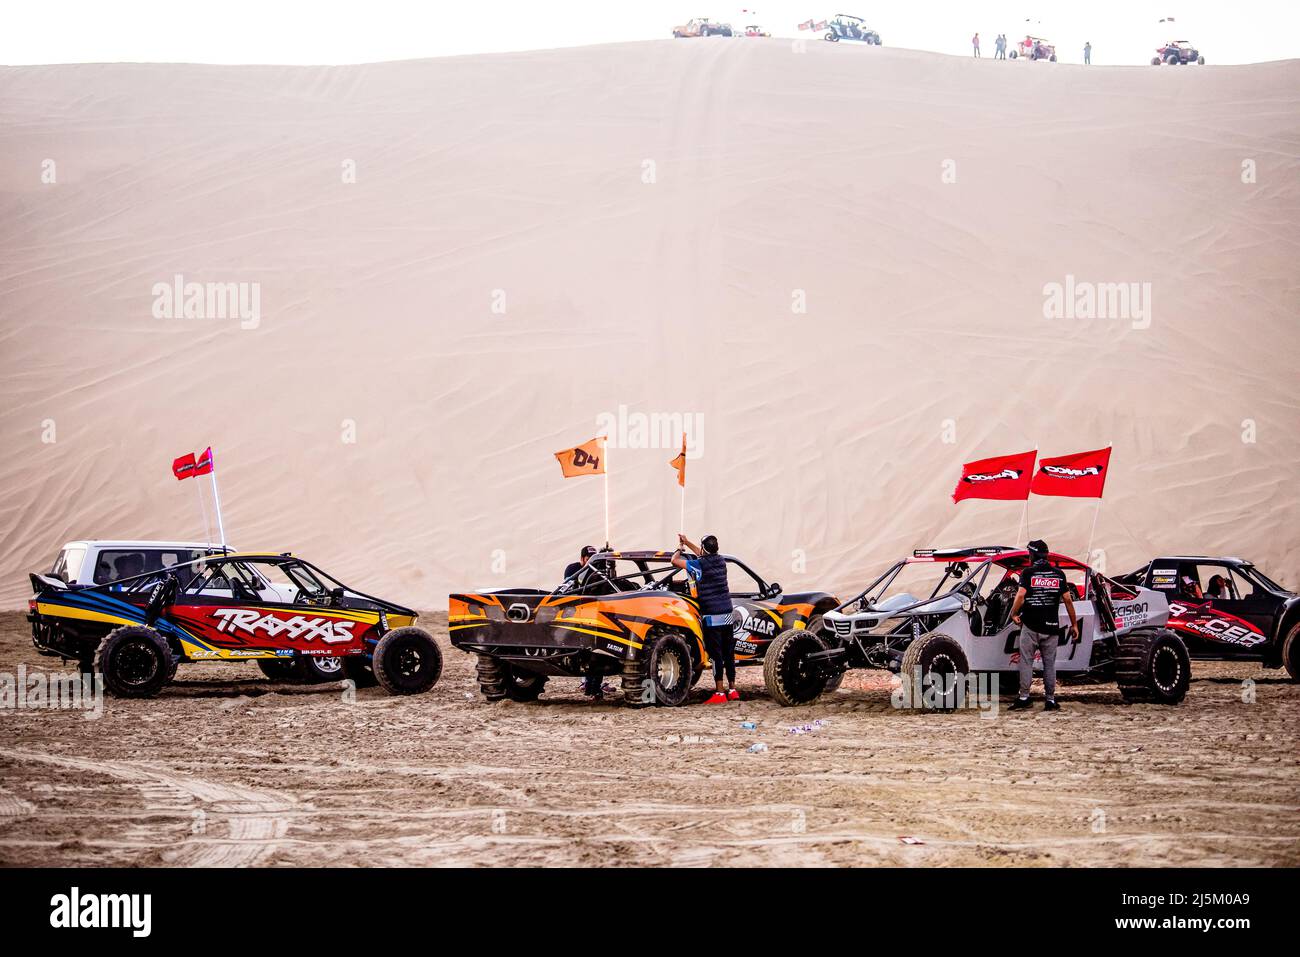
[
  {"x": 1087, "y": 555},
  {"x": 682, "y": 523},
  {"x": 216, "y": 499},
  {"x": 604, "y": 445},
  {"x": 207, "y": 527}
]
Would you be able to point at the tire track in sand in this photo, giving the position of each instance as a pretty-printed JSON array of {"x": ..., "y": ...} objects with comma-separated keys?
[{"x": 254, "y": 819}]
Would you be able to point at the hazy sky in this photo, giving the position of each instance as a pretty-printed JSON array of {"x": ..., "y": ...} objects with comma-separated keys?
[{"x": 348, "y": 31}]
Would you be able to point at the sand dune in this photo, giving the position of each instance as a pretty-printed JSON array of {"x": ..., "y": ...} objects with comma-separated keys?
[{"x": 831, "y": 438}]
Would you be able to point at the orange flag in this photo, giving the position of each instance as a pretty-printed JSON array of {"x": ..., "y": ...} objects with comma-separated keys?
[
  {"x": 585, "y": 459},
  {"x": 679, "y": 463}
]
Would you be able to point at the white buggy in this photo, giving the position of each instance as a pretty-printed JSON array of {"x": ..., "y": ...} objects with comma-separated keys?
[{"x": 939, "y": 636}]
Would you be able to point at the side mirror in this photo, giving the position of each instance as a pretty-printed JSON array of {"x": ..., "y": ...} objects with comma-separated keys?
[
  {"x": 773, "y": 590},
  {"x": 336, "y": 596}
]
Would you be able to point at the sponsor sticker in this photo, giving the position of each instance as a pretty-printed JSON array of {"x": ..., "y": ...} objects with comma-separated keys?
[{"x": 301, "y": 627}]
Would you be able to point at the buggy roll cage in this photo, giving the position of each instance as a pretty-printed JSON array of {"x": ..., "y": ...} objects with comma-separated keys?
[
  {"x": 598, "y": 562},
  {"x": 956, "y": 561}
]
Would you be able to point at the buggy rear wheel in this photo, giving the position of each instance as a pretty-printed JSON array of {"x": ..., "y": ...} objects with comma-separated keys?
[
  {"x": 1291, "y": 652},
  {"x": 407, "y": 661},
  {"x": 1152, "y": 666},
  {"x": 359, "y": 671},
  {"x": 522, "y": 685},
  {"x": 135, "y": 662},
  {"x": 315, "y": 670},
  {"x": 940, "y": 664},
  {"x": 787, "y": 673},
  {"x": 277, "y": 669},
  {"x": 492, "y": 676},
  {"x": 669, "y": 669}
]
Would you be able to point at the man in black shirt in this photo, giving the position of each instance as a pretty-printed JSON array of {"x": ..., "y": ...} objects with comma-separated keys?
[
  {"x": 584, "y": 556},
  {"x": 1036, "y": 610}
]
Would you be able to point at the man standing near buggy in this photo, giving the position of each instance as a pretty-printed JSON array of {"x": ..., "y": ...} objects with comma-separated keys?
[
  {"x": 708, "y": 570},
  {"x": 1037, "y": 611}
]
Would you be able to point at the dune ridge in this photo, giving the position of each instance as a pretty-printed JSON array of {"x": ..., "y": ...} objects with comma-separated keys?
[{"x": 832, "y": 437}]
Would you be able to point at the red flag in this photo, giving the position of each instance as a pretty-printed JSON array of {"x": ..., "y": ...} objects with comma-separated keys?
[
  {"x": 183, "y": 467},
  {"x": 1002, "y": 477},
  {"x": 1081, "y": 475},
  {"x": 204, "y": 465}
]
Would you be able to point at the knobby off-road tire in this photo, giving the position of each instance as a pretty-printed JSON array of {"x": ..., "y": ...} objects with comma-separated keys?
[
  {"x": 1291, "y": 652},
  {"x": 814, "y": 627},
  {"x": 492, "y": 675},
  {"x": 785, "y": 668},
  {"x": 935, "y": 654},
  {"x": 662, "y": 675},
  {"x": 135, "y": 662},
  {"x": 1152, "y": 666},
  {"x": 407, "y": 661}
]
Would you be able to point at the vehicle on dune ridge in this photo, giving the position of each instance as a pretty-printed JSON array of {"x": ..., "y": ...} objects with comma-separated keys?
[
  {"x": 702, "y": 27},
  {"x": 1177, "y": 53}
]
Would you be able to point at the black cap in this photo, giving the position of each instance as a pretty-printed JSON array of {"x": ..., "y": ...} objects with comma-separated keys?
[
  {"x": 710, "y": 544},
  {"x": 587, "y": 551},
  {"x": 1038, "y": 547}
]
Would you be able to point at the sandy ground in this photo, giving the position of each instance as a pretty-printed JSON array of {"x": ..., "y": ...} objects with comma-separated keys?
[
  {"x": 228, "y": 768},
  {"x": 647, "y": 217}
]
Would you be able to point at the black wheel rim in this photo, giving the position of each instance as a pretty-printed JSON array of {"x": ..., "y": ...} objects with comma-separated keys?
[
  {"x": 943, "y": 668},
  {"x": 136, "y": 662},
  {"x": 408, "y": 661},
  {"x": 800, "y": 680},
  {"x": 1166, "y": 669}
]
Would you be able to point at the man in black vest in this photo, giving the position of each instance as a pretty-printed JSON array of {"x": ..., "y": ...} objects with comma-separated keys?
[
  {"x": 708, "y": 570},
  {"x": 1037, "y": 611}
]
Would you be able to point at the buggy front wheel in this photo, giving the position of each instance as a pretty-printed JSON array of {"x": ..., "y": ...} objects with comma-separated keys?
[
  {"x": 791, "y": 679},
  {"x": 407, "y": 661},
  {"x": 1153, "y": 666}
]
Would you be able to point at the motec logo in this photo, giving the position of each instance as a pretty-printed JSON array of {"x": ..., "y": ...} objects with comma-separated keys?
[
  {"x": 307, "y": 629},
  {"x": 75, "y": 910}
]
